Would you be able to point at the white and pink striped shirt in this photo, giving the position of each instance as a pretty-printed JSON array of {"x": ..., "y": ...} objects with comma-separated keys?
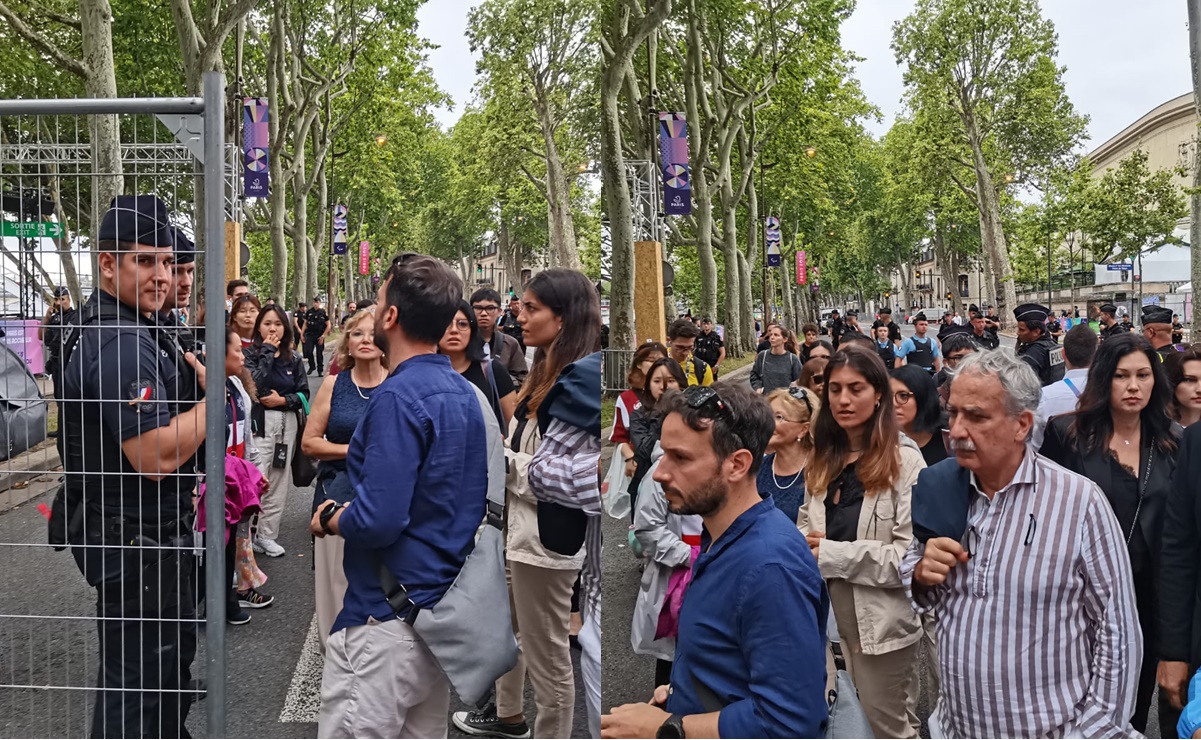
[{"x": 1038, "y": 635}]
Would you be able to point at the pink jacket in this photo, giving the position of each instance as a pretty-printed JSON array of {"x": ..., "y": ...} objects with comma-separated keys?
[{"x": 244, "y": 484}]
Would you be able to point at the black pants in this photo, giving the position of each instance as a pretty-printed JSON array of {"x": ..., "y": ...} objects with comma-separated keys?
[
  {"x": 146, "y": 604},
  {"x": 1147, "y": 601},
  {"x": 662, "y": 673},
  {"x": 310, "y": 346},
  {"x": 232, "y": 604}
]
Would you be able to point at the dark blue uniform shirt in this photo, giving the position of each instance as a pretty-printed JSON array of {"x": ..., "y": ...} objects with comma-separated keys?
[
  {"x": 119, "y": 383},
  {"x": 419, "y": 472},
  {"x": 753, "y": 631}
]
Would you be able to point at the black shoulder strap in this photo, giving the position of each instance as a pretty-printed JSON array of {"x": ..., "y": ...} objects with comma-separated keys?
[{"x": 93, "y": 313}]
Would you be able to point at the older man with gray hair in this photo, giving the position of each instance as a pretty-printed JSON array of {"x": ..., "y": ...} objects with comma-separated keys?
[{"x": 1027, "y": 569}]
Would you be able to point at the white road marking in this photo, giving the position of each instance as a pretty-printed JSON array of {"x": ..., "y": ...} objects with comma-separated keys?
[{"x": 304, "y": 694}]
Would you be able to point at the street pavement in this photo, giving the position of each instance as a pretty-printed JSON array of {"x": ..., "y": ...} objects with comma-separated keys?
[{"x": 273, "y": 663}]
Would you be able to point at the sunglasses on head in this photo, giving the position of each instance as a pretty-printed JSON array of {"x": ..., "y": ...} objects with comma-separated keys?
[
  {"x": 706, "y": 400},
  {"x": 797, "y": 391}
]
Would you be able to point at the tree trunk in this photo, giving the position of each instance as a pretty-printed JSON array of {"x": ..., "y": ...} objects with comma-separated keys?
[
  {"x": 992, "y": 232},
  {"x": 694, "y": 89},
  {"x": 558, "y": 194},
  {"x": 96, "y": 20}
]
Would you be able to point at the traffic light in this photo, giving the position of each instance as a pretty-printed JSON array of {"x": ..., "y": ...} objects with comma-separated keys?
[
  {"x": 948, "y": 295},
  {"x": 918, "y": 273}
]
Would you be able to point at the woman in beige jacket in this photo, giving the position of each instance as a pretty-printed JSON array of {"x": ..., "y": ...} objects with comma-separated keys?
[{"x": 857, "y": 521}]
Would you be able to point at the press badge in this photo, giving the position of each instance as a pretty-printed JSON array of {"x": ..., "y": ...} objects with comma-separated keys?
[{"x": 279, "y": 459}]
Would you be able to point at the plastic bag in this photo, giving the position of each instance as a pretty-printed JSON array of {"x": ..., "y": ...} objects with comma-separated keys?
[{"x": 615, "y": 493}]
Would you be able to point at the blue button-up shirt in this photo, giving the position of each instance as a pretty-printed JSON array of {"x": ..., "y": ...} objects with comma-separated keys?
[
  {"x": 417, "y": 465},
  {"x": 753, "y": 632}
]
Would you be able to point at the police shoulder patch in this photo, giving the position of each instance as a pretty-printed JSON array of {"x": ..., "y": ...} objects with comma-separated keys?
[{"x": 141, "y": 395}]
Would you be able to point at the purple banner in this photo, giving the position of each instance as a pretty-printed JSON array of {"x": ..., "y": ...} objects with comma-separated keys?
[
  {"x": 673, "y": 158},
  {"x": 21, "y": 336},
  {"x": 340, "y": 213},
  {"x": 771, "y": 234},
  {"x": 254, "y": 147}
]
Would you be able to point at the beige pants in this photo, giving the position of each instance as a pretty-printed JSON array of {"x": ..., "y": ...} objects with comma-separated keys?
[
  {"x": 381, "y": 681},
  {"x": 330, "y": 583},
  {"x": 280, "y": 428},
  {"x": 888, "y": 684},
  {"x": 541, "y": 602}
]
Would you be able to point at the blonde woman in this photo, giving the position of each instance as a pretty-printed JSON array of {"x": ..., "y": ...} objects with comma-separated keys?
[
  {"x": 334, "y": 415},
  {"x": 857, "y": 520},
  {"x": 782, "y": 474}
]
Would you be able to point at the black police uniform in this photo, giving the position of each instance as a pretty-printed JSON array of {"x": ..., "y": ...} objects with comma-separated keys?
[
  {"x": 708, "y": 348},
  {"x": 1043, "y": 354},
  {"x": 1177, "y": 332},
  {"x": 837, "y": 327},
  {"x": 315, "y": 321},
  {"x": 987, "y": 340},
  {"x": 121, "y": 382},
  {"x": 1161, "y": 315},
  {"x": 58, "y": 326}
]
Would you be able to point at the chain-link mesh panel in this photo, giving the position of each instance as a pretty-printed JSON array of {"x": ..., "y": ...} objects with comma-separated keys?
[{"x": 103, "y": 418}]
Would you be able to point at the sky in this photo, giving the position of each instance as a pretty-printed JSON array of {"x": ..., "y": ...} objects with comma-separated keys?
[{"x": 1122, "y": 58}]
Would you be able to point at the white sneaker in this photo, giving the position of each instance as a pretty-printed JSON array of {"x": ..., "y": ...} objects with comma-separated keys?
[{"x": 270, "y": 548}]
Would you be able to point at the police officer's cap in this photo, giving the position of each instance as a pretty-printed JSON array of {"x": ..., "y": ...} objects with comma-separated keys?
[
  {"x": 185, "y": 249},
  {"x": 137, "y": 219},
  {"x": 316, "y": 299},
  {"x": 1031, "y": 312},
  {"x": 61, "y": 291},
  {"x": 954, "y": 329},
  {"x": 852, "y": 314},
  {"x": 1156, "y": 315},
  {"x": 886, "y": 311},
  {"x": 920, "y": 317},
  {"x": 1109, "y": 308},
  {"x": 833, "y": 311}
]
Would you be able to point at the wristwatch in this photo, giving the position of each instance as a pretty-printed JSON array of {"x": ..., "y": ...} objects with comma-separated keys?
[
  {"x": 672, "y": 727},
  {"x": 328, "y": 513}
]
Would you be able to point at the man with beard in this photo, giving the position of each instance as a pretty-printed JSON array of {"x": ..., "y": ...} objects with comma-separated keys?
[
  {"x": 740, "y": 669},
  {"x": 1109, "y": 322}
]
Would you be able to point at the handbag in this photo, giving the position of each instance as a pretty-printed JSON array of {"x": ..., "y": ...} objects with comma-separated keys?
[
  {"x": 304, "y": 468},
  {"x": 470, "y": 629},
  {"x": 847, "y": 719}
]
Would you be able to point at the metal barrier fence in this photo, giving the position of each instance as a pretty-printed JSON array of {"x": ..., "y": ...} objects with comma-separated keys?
[
  {"x": 110, "y": 652},
  {"x": 615, "y": 365}
]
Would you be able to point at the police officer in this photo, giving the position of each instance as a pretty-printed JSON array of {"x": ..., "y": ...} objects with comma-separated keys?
[
  {"x": 1035, "y": 345},
  {"x": 851, "y": 326},
  {"x": 837, "y": 327},
  {"x": 981, "y": 333},
  {"x": 1109, "y": 322},
  {"x": 316, "y": 327},
  {"x": 173, "y": 316},
  {"x": 709, "y": 345},
  {"x": 57, "y": 322},
  {"x": 130, "y": 508},
  {"x": 1157, "y": 328},
  {"x": 885, "y": 318}
]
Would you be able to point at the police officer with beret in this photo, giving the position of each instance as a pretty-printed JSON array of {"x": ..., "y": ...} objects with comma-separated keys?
[
  {"x": 1109, "y": 322},
  {"x": 1035, "y": 345},
  {"x": 1157, "y": 328},
  {"x": 316, "y": 328},
  {"x": 56, "y": 324},
  {"x": 128, "y": 491}
]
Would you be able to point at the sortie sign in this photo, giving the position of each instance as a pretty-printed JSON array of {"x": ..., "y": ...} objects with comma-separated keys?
[{"x": 31, "y": 229}]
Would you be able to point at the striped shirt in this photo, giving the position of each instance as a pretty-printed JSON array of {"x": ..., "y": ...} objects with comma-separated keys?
[{"x": 1037, "y": 633}]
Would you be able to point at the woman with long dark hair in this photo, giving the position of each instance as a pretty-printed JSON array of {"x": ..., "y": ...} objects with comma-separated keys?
[
  {"x": 915, "y": 398},
  {"x": 464, "y": 345},
  {"x": 1122, "y": 439},
  {"x": 857, "y": 520},
  {"x": 243, "y": 318},
  {"x": 561, "y": 317},
  {"x": 335, "y": 414},
  {"x": 645, "y": 423},
  {"x": 283, "y": 392},
  {"x": 631, "y": 398},
  {"x": 778, "y": 366}
]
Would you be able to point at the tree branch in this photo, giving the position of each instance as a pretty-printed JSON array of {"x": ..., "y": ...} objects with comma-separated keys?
[{"x": 43, "y": 44}]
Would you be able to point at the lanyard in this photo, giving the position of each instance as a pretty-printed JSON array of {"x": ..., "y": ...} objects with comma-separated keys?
[{"x": 1072, "y": 385}]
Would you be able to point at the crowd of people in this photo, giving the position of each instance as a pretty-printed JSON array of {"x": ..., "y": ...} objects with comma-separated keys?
[
  {"x": 1027, "y": 517},
  {"x": 429, "y": 392}
]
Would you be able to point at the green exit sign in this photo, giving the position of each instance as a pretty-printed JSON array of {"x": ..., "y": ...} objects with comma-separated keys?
[{"x": 31, "y": 229}]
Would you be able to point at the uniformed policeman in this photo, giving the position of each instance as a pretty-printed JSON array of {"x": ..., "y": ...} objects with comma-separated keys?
[
  {"x": 127, "y": 443},
  {"x": 1157, "y": 328},
  {"x": 173, "y": 316},
  {"x": 836, "y": 328},
  {"x": 56, "y": 324},
  {"x": 1035, "y": 346},
  {"x": 316, "y": 327},
  {"x": 894, "y": 331},
  {"x": 981, "y": 333},
  {"x": 1109, "y": 322}
]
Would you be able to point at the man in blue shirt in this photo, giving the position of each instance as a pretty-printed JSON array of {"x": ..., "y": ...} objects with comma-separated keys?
[
  {"x": 750, "y": 657},
  {"x": 418, "y": 467}
]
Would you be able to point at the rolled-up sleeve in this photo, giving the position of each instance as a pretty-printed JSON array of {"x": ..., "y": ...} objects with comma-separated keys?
[
  {"x": 564, "y": 468},
  {"x": 786, "y": 655},
  {"x": 922, "y": 598}
]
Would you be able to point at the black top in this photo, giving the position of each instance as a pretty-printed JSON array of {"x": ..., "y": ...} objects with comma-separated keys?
[
  {"x": 119, "y": 383},
  {"x": 284, "y": 375},
  {"x": 934, "y": 451},
  {"x": 1108, "y": 331},
  {"x": 57, "y": 327},
  {"x": 504, "y": 386},
  {"x": 842, "y": 518},
  {"x": 1046, "y": 357},
  {"x": 987, "y": 340},
  {"x": 708, "y": 347},
  {"x": 1123, "y": 494},
  {"x": 315, "y": 321}
]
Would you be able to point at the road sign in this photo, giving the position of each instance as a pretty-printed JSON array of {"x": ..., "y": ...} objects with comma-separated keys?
[
  {"x": 1119, "y": 267},
  {"x": 31, "y": 229}
]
